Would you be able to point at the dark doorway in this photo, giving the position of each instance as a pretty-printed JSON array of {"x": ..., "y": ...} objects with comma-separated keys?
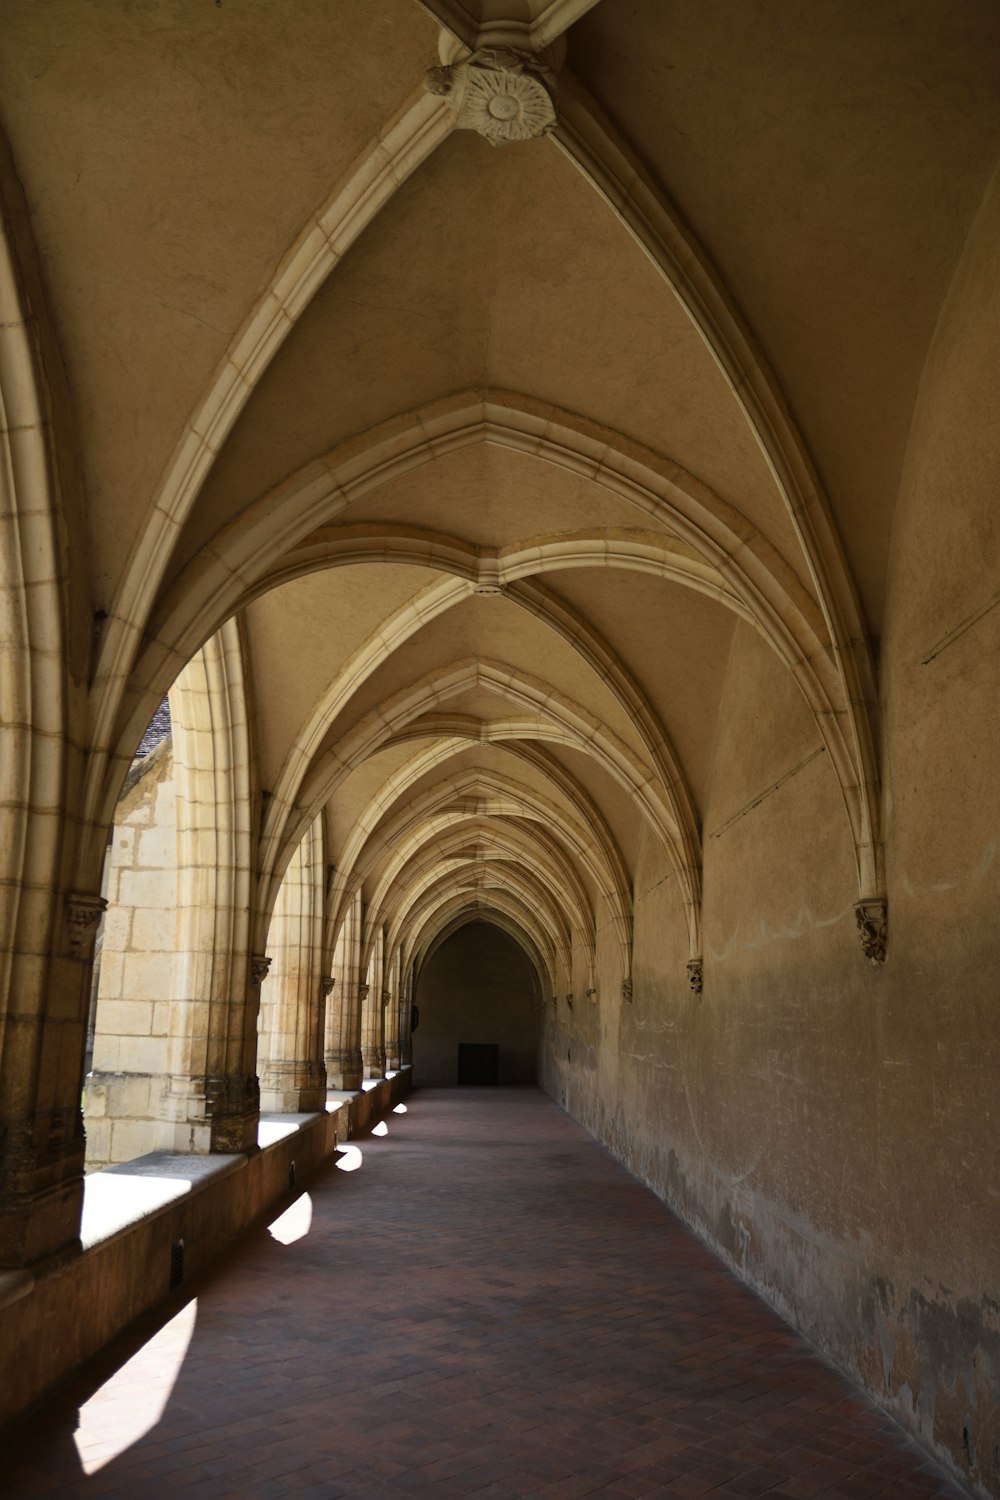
[
  {"x": 477, "y": 989},
  {"x": 478, "y": 1063}
]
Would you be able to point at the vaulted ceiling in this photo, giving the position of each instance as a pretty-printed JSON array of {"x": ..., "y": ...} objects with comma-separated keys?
[{"x": 494, "y": 451}]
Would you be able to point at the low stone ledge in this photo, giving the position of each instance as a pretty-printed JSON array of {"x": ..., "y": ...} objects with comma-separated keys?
[
  {"x": 117, "y": 1198},
  {"x": 273, "y": 1128},
  {"x": 135, "y": 1215},
  {"x": 376, "y": 1098}
]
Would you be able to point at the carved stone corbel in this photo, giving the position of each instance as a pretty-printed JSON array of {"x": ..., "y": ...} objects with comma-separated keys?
[
  {"x": 696, "y": 975},
  {"x": 569, "y": 1001},
  {"x": 627, "y": 991},
  {"x": 872, "y": 917},
  {"x": 259, "y": 965},
  {"x": 363, "y": 992},
  {"x": 81, "y": 916},
  {"x": 592, "y": 996},
  {"x": 326, "y": 985},
  {"x": 501, "y": 92}
]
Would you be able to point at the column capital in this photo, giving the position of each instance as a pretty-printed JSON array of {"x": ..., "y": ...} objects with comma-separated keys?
[
  {"x": 872, "y": 917},
  {"x": 82, "y": 914},
  {"x": 259, "y": 965}
]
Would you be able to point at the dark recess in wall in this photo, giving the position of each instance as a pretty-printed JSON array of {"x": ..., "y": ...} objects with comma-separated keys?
[{"x": 478, "y": 988}]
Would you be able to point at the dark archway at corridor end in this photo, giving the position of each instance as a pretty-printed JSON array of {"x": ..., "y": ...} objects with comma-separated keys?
[{"x": 477, "y": 990}]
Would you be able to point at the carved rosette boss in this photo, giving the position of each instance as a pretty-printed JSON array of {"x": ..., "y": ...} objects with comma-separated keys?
[
  {"x": 504, "y": 94},
  {"x": 872, "y": 916}
]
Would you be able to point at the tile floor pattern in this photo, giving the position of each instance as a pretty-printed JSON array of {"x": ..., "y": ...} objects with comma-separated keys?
[{"x": 489, "y": 1306}]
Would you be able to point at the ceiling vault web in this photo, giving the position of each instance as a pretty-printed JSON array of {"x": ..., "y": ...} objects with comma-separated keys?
[{"x": 799, "y": 596}]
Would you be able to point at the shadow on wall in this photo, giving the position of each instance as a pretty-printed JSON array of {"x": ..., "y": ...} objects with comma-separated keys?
[{"x": 477, "y": 990}]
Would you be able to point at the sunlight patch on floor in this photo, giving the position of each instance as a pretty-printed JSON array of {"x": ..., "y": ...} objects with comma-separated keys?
[
  {"x": 399, "y": 1109},
  {"x": 380, "y": 1129},
  {"x": 295, "y": 1223},
  {"x": 350, "y": 1158},
  {"x": 132, "y": 1402}
]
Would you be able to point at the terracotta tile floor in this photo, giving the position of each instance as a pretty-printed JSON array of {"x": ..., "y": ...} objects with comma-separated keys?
[{"x": 488, "y": 1306}]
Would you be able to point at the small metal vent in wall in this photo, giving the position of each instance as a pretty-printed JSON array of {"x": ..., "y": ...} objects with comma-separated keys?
[{"x": 176, "y": 1263}]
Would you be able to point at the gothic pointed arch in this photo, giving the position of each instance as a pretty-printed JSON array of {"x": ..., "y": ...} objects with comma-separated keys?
[{"x": 214, "y": 1088}]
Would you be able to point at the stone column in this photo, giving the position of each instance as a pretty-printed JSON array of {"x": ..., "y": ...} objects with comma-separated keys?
[
  {"x": 291, "y": 1053},
  {"x": 343, "y": 1013},
  {"x": 46, "y": 935},
  {"x": 43, "y": 1037},
  {"x": 390, "y": 1005},
  {"x": 373, "y": 1015},
  {"x": 405, "y": 1019}
]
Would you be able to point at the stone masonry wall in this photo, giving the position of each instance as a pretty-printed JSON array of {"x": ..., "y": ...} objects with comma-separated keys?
[{"x": 137, "y": 970}]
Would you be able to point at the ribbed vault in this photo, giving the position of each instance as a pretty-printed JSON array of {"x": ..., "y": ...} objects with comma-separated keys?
[
  {"x": 533, "y": 513},
  {"x": 544, "y": 452}
]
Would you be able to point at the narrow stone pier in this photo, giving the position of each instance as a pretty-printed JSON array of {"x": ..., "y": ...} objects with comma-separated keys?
[{"x": 481, "y": 1302}]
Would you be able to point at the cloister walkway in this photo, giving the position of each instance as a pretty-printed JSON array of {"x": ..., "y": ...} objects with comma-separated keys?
[{"x": 487, "y": 1305}]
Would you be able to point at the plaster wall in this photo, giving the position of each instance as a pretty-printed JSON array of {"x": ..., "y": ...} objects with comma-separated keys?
[
  {"x": 827, "y": 1126},
  {"x": 477, "y": 987}
]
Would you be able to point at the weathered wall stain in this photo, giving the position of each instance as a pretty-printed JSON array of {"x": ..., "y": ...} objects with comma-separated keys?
[
  {"x": 824, "y": 1127},
  {"x": 934, "y": 1365}
]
